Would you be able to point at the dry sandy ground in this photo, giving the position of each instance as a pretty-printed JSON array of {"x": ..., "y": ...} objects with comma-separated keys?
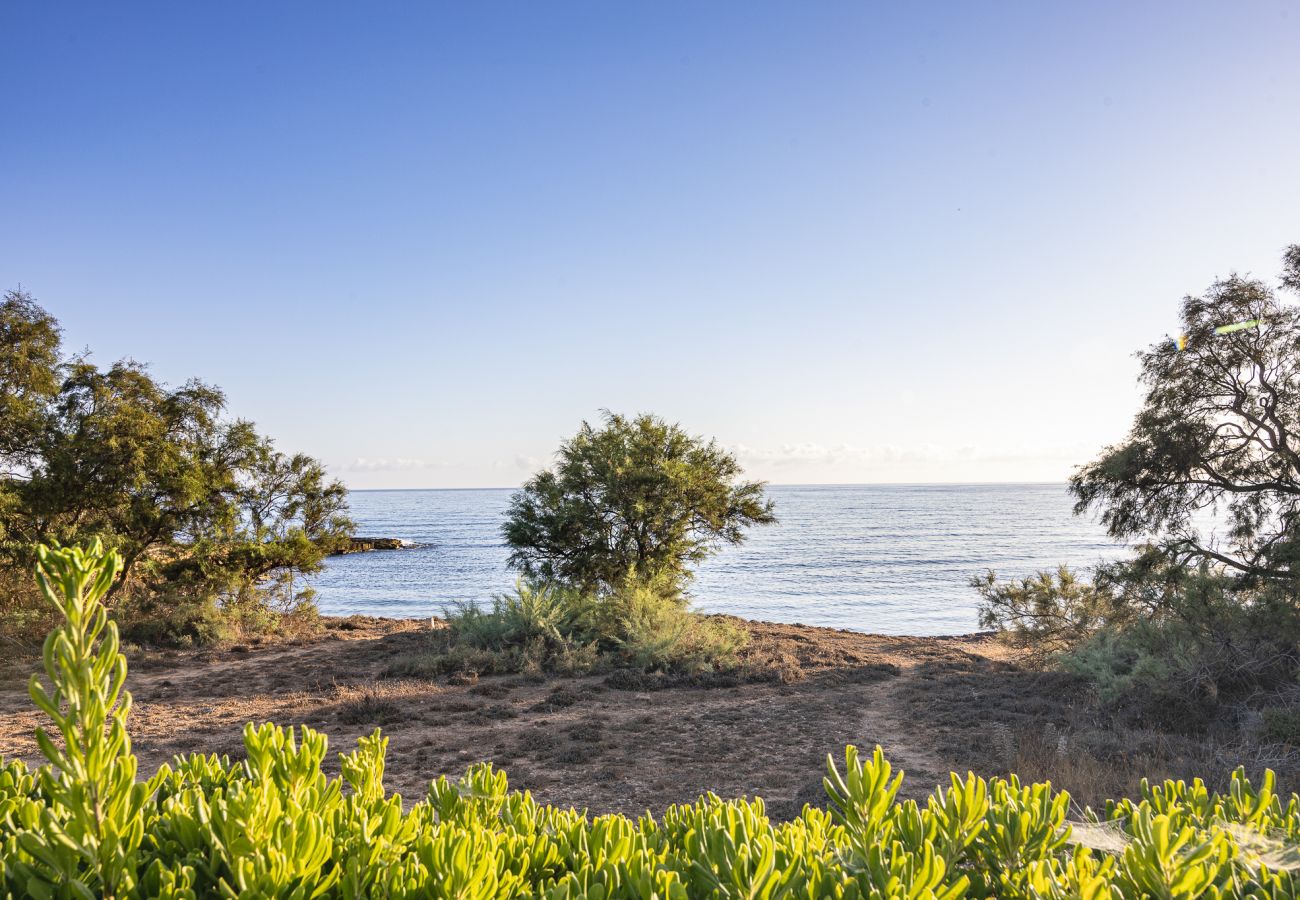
[{"x": 597, "y": 742}]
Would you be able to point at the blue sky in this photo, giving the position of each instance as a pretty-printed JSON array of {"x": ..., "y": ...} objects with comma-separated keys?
[{"x": 853, "y": 241}]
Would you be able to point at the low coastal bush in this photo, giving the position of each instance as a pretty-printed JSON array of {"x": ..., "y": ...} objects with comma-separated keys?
[
  {"x": 273, "y": 825},
  {"x": 1156, "y": 639},
  {"x": 535, "y": 611},
  {"x": 550, "y": 628},
  {"x": 653, "y": 630}
]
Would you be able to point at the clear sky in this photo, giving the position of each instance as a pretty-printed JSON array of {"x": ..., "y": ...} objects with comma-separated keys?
[{"x": 854, "y": 241}]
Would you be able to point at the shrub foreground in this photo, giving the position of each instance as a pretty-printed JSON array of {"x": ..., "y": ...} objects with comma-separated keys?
[{"x": 274, "y": 825}]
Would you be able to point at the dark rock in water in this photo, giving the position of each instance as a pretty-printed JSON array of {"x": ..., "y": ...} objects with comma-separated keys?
[{"x": 365, "y": 544}]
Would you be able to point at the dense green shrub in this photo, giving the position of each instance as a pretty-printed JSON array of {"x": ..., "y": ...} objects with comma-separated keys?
[
  {"x": 274, "y": 825},
  {"x": 1152, "y": 634},
  {"x": 535, "y": 610}
]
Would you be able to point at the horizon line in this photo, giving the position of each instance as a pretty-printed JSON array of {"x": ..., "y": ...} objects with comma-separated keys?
[{"x": 816, "y": 484}]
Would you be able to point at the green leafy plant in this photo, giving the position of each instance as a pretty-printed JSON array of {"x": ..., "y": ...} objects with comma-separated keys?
[
  {"x": 91, "y": 828},
  {"x": 535, "y": 610}
]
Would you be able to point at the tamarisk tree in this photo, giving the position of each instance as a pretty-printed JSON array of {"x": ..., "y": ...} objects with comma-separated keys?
[
  {"x": 638, "y": 496},
  {"x": 200, "y": 506},
  {"x": 1219, "y": 430}
]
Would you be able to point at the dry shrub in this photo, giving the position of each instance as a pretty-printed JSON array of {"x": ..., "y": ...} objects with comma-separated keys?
[
  {"x": 1096, "y": 764},
  {"x": 376, "y": 702},
  {"x": 25, "y": 618}
]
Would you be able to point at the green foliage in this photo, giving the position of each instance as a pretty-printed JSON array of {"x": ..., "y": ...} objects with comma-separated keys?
[
  {"x": 1194, "y": 616},
  {"x": 1153, "y": 634},
  {"x": 551, "y": 613},
  {"x": 537, "y": 628},
  {"x": 1217, "y": 430},
  {"x": 1049, "y": 612},
  {"x": 274, "y": 825},
  {"x": 28, "y": 377},
  {"x": 652, "y": 628},
  {"x": 90, "y": 828},
  {"x": 203, "y": 510},
  {"x": 1181, "y": 670},
  {"x": 180, "y": 619},
  {"x": 635, "y": 497}
]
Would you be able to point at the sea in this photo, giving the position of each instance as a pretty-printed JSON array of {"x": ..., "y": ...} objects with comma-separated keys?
[{"x": 890, "y": 559}]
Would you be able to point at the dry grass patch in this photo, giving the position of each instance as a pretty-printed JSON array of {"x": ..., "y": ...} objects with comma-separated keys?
[{"x": 378, "y": 702}]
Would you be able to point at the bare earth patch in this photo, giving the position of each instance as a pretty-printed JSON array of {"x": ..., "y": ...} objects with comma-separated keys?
[{"x": 606, "y": 743}]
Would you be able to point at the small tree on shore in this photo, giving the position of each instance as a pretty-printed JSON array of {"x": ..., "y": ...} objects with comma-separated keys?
[{"x": 637, "y": 496}]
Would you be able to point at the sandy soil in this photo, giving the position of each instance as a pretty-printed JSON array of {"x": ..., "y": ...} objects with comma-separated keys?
[{"x": 600, "y": 742}]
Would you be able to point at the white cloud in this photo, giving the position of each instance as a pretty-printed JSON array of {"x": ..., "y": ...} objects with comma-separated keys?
[
  {"x": 397, "y": 464},
  {"x": 886, "y": 454},
  {"x": 521, "y": 461}
]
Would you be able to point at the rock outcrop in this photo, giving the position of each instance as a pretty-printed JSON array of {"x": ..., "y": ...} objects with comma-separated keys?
[{"x": 366, "y": 544}]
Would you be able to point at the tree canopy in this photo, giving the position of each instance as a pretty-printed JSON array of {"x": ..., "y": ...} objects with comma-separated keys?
[
  {"x": 29, "y": 365},
  {"x": 199, "y": 505},
  {"x": 1217, "y": 433},
  {"x": 633, "y": 496}
]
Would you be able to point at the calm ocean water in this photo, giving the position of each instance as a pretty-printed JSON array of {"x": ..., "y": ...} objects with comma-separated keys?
[{"x": 894, "y": 559}]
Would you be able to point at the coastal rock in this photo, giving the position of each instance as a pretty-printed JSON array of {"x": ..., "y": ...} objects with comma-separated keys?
[{"x": 366, "y": 544}]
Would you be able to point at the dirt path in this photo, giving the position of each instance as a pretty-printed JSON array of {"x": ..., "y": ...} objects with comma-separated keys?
[
  {"x": 599, "y": 742},
  {"x": 886, "y": 721}
]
